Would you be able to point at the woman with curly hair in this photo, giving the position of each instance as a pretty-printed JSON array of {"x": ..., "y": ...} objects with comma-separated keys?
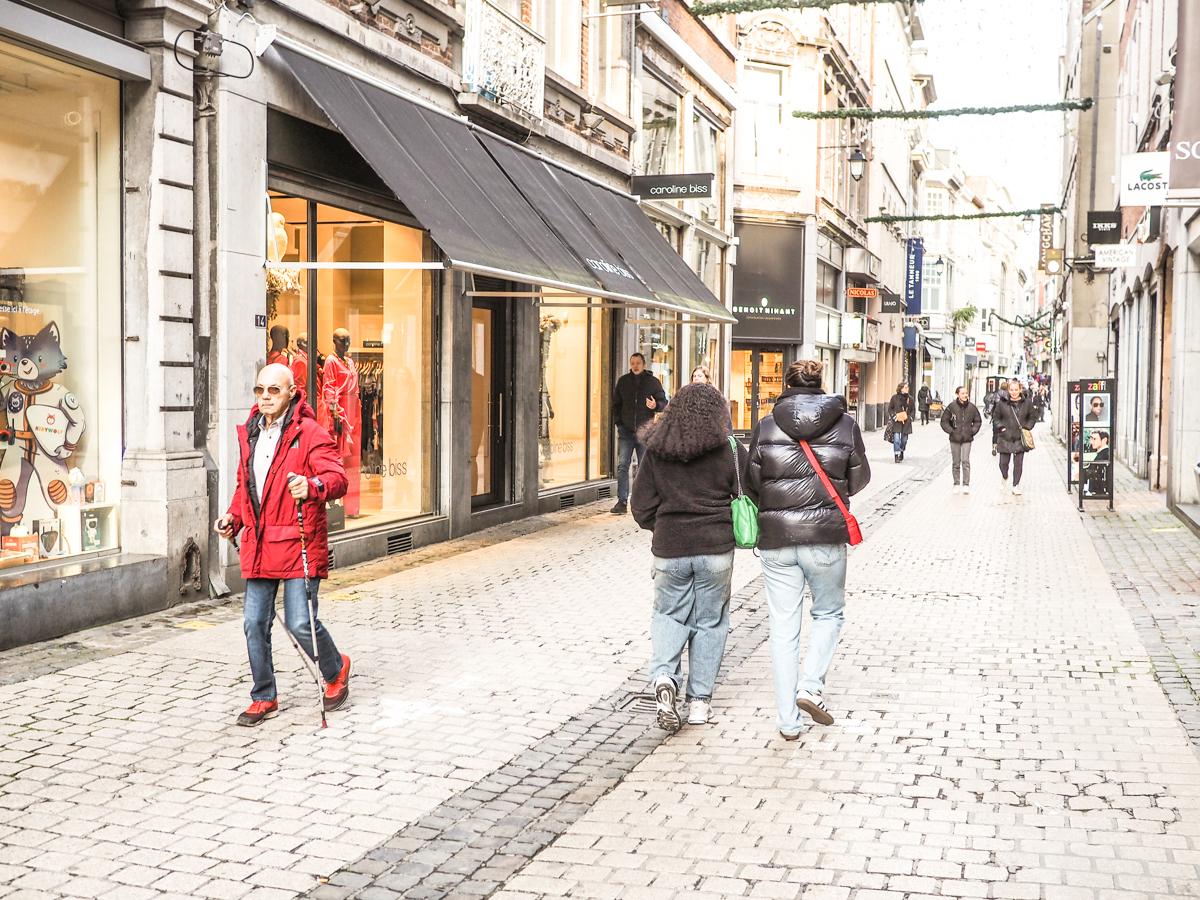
[{"x": 682, "y": 494}]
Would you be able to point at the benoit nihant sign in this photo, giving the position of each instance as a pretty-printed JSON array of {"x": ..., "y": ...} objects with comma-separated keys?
[{"x": 673, "y": 187}]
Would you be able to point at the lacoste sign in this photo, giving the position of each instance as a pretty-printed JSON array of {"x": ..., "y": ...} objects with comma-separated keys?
[{"x": 1144, "y": 179}]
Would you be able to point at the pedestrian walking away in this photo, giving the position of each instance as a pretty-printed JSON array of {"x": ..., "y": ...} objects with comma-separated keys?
[
  {"x": 1013, "y": 419},
  {"x": 961, "y": 421},
  {"x": 804, "y": 533},
  {"x": 682, "y": 493},
  {"x": 924, "y": 398},
  {"x": 636, "y": 398},
  {"x": 989, "y": 409},
  {"x": 900, "y": 414},
  {"x": 288, "y": 469}
]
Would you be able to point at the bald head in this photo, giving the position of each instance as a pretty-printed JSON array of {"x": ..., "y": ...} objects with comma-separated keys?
[
  {"x": 277, "y": 373},
  {"x": 274, "y": 390}
]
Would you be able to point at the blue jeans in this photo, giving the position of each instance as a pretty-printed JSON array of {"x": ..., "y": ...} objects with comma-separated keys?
[
  {"x": 785, "y": 572},
  {"x": 259, "y": 613},
  {"x": 691, "y": 609},
  {"x": 626, "y": 444},
  {"x": 899, "y": 441}
]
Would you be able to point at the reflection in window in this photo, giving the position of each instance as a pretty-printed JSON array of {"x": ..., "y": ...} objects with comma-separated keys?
[
  {"x": 741, "y": 388},
  {"x": 763, "y": 130},
  {"x": 656, "y": 341},
  {"x": 572, "y": 395},
  {"x": 611, "y": 54},
  {"x": 367, "y": 359},
  {"x": 660, "y": 128},
  {"x": 60, "y": 314},
  {"x": 561, "y": 23},
  {"x": 705, "y": 159}
]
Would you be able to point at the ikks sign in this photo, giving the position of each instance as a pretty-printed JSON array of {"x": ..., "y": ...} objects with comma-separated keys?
[
  {"x": 1104, "y": 227},
  {"x": 1145, "y": 179}
]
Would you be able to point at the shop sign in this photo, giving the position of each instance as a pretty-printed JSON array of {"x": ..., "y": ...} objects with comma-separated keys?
[
  {"x": 1091, "y": 415},
  {"x": 1046, "y": 249},
  {"x": 1116, "y": 256},
  {"x": 862, "y": 293},
  {"x": 768, "y": 283},
  {"x": 981, "y": 347},
  {"x": 1185, "y": 125},
  {"x": 968, "y": 342},
  {"x": 1103, "y": 227},
  {"x": 854, "y": 331},
  {"x": 1145, "y": 178},
  {"x": 891, "y": 304},
  {"x": 673, "y": 187},
  {"x": 914, "y": 261}
]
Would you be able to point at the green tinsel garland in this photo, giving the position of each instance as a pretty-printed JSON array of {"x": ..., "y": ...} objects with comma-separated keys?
[
  {"x": 947, "y": 217},
  {"x": 862, "y": 112},
  {"x": 723, "y": 7}
]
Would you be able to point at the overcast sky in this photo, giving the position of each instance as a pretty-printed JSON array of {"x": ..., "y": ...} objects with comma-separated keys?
[{"x": 997, "y": 53}]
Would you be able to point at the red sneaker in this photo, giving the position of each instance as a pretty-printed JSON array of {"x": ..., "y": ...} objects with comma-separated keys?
[
  {"x": 338, "y": 690},
  {"x": 257, "y": 711}
]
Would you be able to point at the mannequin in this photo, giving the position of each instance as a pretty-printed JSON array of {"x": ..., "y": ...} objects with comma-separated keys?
[
  {"x": 279, "y": 352},
  {"x": 300, "y": 364},
  {"x": 342, "y": 412},
  {"x": 548, "y": 326}
]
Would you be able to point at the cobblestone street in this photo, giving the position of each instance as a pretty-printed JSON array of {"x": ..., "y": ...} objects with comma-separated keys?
[{"x": 1014, "y": 691}]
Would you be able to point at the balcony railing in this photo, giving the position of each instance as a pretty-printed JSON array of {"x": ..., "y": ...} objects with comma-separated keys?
[{"x": 503, "y": 61}]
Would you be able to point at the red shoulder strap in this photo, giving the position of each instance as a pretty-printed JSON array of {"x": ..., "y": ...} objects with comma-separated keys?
[{"x": 837, "y": 498}]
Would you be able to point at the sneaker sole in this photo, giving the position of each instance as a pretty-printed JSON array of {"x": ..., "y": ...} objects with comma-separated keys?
[
  {"x": 818, "y": 715},
  {"x": 668, "y": 716},
  {"x": 339, "y": 704},
  {"x": 246, "y": 723},
  {"x": 790, "y": 737}
]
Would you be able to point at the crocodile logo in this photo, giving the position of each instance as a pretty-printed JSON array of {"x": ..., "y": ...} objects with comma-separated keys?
[{"x": 1150, "y": 175}]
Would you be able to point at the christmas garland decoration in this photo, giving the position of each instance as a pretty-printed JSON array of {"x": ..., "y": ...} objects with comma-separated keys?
[
  {"x": 863, "y": 112},
  {"x": 724, "y": 7},
  {"x": 962, "y": 217}
]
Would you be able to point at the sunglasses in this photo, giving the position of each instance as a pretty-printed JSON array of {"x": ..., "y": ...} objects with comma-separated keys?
[
  {"x": 1097, "y": 403},
  {"x": 273, "y": 389}
]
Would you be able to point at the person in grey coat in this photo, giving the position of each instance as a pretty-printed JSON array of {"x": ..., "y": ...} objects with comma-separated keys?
[
  {"x": 1013, "y": 412},
  {"x": 962, "y": 421}
]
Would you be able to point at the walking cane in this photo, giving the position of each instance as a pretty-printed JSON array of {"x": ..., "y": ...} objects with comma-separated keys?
[{"x": 312, "y": 616}]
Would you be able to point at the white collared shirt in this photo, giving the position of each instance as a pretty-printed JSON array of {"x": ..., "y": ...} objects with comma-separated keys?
[{"x": 264, "y": 452}]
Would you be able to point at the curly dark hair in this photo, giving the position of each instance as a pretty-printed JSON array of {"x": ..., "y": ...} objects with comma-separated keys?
[{"x": 696, "y": 422}]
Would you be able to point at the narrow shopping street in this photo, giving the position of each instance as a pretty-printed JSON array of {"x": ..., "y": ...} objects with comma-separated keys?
[{"x": 1000, "y": 729}]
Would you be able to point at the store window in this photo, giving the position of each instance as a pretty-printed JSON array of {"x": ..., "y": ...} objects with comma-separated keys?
[
  {"x": 660, "y": 127},
  {"x": 701, "y": 347},
  {"x": 562, "y": 25},
  {"x": 611, "y": 55},
  {"x": 656, "y": 340},
  {"x": 827, "y": 278},
  {"x": 60, "y": 309},
  {"x": 573, "y": 395},
  {"x": 361, "y": 340},
  {"x": 706, "y": 158}
]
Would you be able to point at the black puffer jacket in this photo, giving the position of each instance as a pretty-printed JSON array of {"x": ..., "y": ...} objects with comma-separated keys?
[
  {"x": 1008, "y": 418},
  {"x": 961, "y": 421},
  {"x": 793, "y": 506}
]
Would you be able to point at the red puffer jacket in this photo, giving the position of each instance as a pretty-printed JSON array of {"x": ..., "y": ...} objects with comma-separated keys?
[{"x": 270, "y": 534}]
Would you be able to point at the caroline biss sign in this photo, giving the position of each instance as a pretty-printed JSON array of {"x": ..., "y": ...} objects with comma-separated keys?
[{"x": 672, "y": 187}]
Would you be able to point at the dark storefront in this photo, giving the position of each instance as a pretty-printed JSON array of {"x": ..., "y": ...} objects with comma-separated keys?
[{"x": 768, "y": 292}]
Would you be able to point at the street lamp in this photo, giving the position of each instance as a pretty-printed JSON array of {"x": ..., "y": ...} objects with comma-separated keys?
[
  {"x": 858, "y": 164},
  {"x": 1027, "y": 224},
  {"x": 940, "y": 266}
]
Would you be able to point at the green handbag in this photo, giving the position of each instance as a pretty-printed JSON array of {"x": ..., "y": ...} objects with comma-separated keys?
[{"x": 745, "y": 513}]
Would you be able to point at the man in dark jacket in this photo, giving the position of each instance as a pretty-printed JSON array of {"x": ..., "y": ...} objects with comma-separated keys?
[
  {"x": 924, "y": 398},
  {"x": 961, "y": 420},
  {"x": 286, "y": 460},
  {"x": 638, "y": 395},
  {"x": 803, "y": 533}
]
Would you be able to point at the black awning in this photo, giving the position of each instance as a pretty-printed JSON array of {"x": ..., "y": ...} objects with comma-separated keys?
[
  {"x": 610, "y": 233},
  {"x": 447, "y": 180}
]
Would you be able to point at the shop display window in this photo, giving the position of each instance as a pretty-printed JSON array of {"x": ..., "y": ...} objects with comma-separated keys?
[
  {"x": 656, "y": 334},
  {"x": 573, "y": 395},
  {"x": 361, "y": 342},
  {"x": 60, "y": 309}
]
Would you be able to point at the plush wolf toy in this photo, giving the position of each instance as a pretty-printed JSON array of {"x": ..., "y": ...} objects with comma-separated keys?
[{"x": 41, "y": 422}]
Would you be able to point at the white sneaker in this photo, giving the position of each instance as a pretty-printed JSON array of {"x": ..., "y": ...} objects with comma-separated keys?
[
  {"x": 957, "y": 489},
  {"x": 1017, "y": 492},
  {"x": 665, "y": 694},
  {"x": 698, "y": 712},
  {"x": 814, "y": 705},
  {"x": 966, "y": 489}
]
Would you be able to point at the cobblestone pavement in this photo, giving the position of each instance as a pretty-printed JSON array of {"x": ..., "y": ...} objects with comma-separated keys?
[{"x": 1000, "y": 732}]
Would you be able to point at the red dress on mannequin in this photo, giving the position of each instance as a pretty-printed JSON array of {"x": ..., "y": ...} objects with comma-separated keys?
[{"x": 339, "y": 390}]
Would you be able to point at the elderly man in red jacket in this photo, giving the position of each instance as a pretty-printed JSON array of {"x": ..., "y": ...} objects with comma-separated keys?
[{"x": 286, "y": 459}]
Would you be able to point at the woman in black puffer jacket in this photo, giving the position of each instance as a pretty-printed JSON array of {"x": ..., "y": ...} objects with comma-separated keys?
[
  {"x": 1013, "y": 412},
  {"x": 803, "y": 533}
]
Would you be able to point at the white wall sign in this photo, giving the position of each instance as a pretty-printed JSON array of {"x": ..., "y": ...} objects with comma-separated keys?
[
  {"x": 1116, "y": 256},
  {"x": 1144, "y": 179}
]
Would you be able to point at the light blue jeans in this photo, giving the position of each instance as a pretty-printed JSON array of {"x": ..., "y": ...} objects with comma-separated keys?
[
  {"x": 691, "y": 609},
  {"x": 899, "y": 441},
  {"x": 785, "y": 572},
  {"x": 259, "y": 614}
]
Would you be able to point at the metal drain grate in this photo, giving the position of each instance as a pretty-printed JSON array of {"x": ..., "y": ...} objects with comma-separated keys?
[
  {"x": 566, "y": 501},
  {"x": 605, "y": 493},
  {"x": 332, "y": 556},
  {"x": 399, "y": 543},
  {"x": 640, "y": 702}
]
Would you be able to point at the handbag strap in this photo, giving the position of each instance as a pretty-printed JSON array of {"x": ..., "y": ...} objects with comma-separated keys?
[
  {"x": 737, "y": 469},
  {"x": 837, "y": 498}
]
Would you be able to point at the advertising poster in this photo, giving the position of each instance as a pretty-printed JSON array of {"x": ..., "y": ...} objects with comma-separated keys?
[{"x": 1091, "y": 415}]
